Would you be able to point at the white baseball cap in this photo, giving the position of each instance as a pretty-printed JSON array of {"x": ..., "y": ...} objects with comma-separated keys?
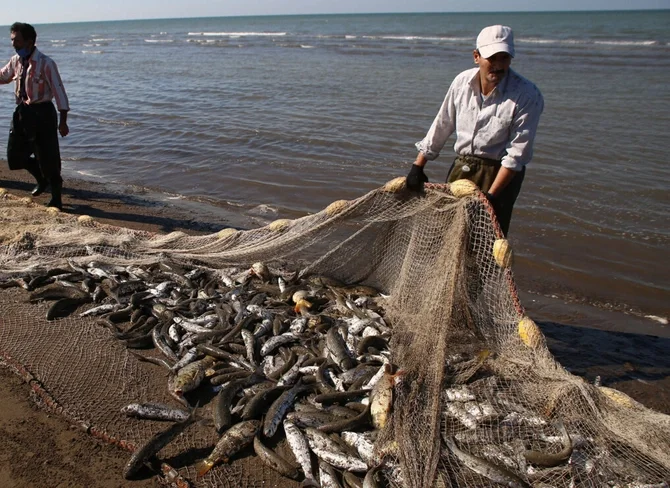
[{"x": 494, "y": 39}]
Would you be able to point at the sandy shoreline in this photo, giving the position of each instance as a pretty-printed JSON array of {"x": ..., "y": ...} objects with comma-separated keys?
[{"x": 38, "y": 449}]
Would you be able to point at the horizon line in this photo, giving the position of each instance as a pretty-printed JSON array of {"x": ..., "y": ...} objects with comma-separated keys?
[{"x": 360, "y": 13}]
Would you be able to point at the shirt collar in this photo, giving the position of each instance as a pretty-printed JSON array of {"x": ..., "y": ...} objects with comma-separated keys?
[
  {"x": 32, "y": 58},
  {"x": 500, "y": 88}
]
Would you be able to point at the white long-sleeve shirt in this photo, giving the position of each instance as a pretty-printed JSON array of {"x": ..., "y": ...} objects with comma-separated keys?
[{"x": 501, "y": 127}]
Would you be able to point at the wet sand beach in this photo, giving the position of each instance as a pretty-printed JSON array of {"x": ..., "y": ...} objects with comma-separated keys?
[{"x": 41, "y": 450}]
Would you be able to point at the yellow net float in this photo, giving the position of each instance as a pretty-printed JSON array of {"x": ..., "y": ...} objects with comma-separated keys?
[
  {"x": 53, "y": 210},
  {"x": 336, "y": 207},
  {"x": 3, "y": 192},
  {"x": 26, "y": 200},
  {"x": 395, "y": 185},
  {"x": 279, "y": 225},
  {"x": 463, "y": 188},
  {"x": 618, "y": 397},
  {"x": 223, "y": 233},
  {"x": 84, "y": 219},
  {"x": 530, "y": 333},
  {"x": 503, "y": 253}
]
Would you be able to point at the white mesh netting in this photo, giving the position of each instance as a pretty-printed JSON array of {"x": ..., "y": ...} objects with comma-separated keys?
[{"x": 474, "y": 396}]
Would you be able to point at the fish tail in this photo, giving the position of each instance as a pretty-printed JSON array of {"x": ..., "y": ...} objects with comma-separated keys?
[
  {"x": 398, "y": 376},
  {"x": 203, "y": 467}
]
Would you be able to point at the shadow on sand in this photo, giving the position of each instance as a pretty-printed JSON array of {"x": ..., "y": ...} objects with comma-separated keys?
[{"x": 123, "y": 207}]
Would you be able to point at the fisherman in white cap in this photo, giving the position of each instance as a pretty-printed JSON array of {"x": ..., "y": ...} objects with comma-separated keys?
[{"x": 495, "y": 113}]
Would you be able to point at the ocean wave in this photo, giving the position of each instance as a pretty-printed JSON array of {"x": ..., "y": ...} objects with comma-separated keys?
[
  {"x": 237, "y": 34},
  {"x": 91, "y": 52},
  {"x": 159, "y": 40},
  {"x": 581, "y": 42},
  {"x": 420, "y": 38},
  {"x": 124, "y": 123},
  {"x": 103, "y": 39},
  {"x": 628, "y": 43},
  {"x": 263, "y": 209},
  {"x": 90, "y": 174}
]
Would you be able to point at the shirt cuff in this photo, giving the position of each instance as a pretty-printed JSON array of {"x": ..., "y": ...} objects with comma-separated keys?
[
  {"x": 422, "y": 147},
  {"x": 512, "y": 164}
]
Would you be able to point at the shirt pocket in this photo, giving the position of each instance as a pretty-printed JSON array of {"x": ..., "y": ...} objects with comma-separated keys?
[{"x": 496, "y": 131}]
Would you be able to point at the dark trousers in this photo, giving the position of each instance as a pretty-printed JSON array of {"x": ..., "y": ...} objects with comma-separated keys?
[
  {"x": 34, "y": 131},
  {"x": 483, "y": 173}
]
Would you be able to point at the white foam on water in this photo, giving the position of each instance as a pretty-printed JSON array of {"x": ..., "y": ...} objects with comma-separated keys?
[
  {"x": 88, "y": 173},
  {"x": 236, "y": 34}
]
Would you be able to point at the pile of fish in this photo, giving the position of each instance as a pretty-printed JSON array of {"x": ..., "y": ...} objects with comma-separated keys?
[
  {"x": 300, "y": 358},
  {"x": 305, "y": 360}
]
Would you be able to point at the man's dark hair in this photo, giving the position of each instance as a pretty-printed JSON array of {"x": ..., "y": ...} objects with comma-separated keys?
[{"x": 27, "y": 31}]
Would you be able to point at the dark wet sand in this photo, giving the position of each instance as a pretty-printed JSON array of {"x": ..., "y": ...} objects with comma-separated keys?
[{"x": 41, "y": 450}]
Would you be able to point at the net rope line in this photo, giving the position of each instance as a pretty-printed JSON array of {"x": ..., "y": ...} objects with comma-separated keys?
[{"x": 530, "y": 368}]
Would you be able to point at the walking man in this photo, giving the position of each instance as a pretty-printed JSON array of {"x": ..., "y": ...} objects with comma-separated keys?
[
  {"x": 33, "y": 134},
  {"x": 495, "y": 113}
]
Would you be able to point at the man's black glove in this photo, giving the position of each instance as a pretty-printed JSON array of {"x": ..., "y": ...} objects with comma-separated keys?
[
  {"x": 416, "y": 178},
  {"x": 493, "y": 201}
]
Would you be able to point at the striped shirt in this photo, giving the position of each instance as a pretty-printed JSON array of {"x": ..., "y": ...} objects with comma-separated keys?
[
  {"x": 500, "y": 127},
  {"x": 42, "y": 83}
]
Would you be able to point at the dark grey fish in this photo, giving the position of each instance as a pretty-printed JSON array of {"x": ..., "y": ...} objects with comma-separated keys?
[
  {"x": 351, "y": 480},
  {"x": 549, "y": 460},
  {"x": 231, "y": 442},
  {"x": 352, "y": 424},
  {"x": 280, "y": 406},
  {"x": 222, "y": 405},
  {"x": 56, "y": 291},
  {"x": 256, "y": 405},
  {"x": 488, "y": 470},
  {"x": 338, "y": 350},
  {"x": 274, "y": 460},
  {"x": 155, "y": 444},
  {"x": 311, "y": 419},
  {"x": 65, "y": 306},
  {"x": 340, "y": 396},
  {"x": 377, "y": 342}
]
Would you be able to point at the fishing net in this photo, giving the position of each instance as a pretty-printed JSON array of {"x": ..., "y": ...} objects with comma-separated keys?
[{"x": 476, "y": 388}]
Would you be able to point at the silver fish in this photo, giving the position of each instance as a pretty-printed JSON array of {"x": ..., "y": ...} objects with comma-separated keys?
[
  {"x": 249, "y": 344},
  {"x": 459, "y": 394},
  {"x": 457, "y": 411},
  {"x": 274, "y": 342},
  {"x": 155, "y": 411},
  {"x": 329, "y": 451},
  {"x": 155, "y": 444},
  {"x": 327, "y": 476},
  {"x": 298, "y": 444},
  {"x": 488, "y": 470},
  {"x": 364, "y": 444},
  {"x": 291, "y": 375},
  {"x": 107, "y": 307}
]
